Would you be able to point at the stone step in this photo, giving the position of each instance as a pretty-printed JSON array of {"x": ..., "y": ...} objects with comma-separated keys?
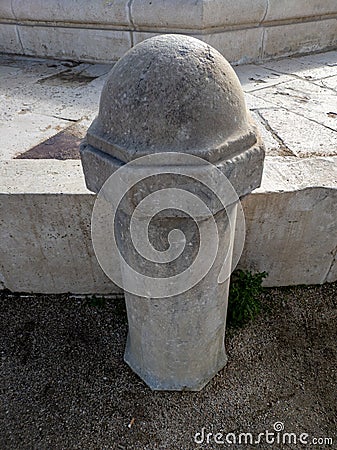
[{"x": 45, "y": 109}]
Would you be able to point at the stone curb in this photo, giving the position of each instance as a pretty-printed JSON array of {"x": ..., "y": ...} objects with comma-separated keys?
[{"x": 45, "y": 212}]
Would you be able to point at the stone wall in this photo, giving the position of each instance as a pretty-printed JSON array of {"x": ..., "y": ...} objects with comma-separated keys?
[
  {"x": 103, "y": 30},
  {"x": 45, "y": 215}
]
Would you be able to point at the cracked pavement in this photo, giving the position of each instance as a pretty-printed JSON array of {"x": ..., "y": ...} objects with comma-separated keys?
[{"x": 44, "y": 102}]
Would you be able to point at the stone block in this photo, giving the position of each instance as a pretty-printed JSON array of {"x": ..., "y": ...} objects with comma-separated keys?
[
  {"x": 292, "y": 217},
  {"x": 305, "y": 37},
  {"x": 237, "y": 46},
  {"x": 196, "y": 15},
  {"x": 234, "y": 45},
  {"x": 52, "y": 251},
  {"x": 77, "y": 44},
  {"x": 226, "y": 13},
  {"x": 77, "y": 11},
  {"x": 45, "y": 229},
  {"x": 161, "y": 15},
  {"x": 6, "y": 10},
  {"x": 295, "y": 248},
  {"x": 9, "y": 39},
  {"x": 288, "y": 9}
]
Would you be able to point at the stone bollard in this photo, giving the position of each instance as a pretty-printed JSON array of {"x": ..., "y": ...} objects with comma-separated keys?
[{"x": 171, "y": 152}]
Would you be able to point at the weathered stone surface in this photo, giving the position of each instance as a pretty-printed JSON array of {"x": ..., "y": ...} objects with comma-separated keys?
[
  {"x": 304, "y": 98},
  {"x": 36, "y": 85},
  {"x": 330, "y": 83},
  {"x": 300, "y": 218},
  {"x": 254, "y": 77},
  {"x": 319, "y": 140},
  {"x": 234, "y": 45},
  {"x": 45, "y": 214},
  {"x": 286, "y": 9},
  {"x": 98, "y": 166},
  {"x": 36, "y": 127},
  {"x": 306, "y": 37},
  {"x": 162, "y": 15},
  {"x": 79, "y": 44},
  {"x": 221, "y": 13},
  {"x": 6, "y": 10},
  {"x": 264, "y": 29},
  {"x": 272, "y": 145},
  {"x": 40, "y": 98},
  {"x": 146, "y": 108},
  {"x": 53, "y": 194},
  {"x": 332, "y": 270},
  {"x": 294, "y": 212},
  {"x": 76, "y": 11},
  {"x": 310, "y": 67},
  {"x": 136, "y": 117},
  {"x": 9, "y": 39},
  {"x": 173, "y": 95},
  {"x": 177, "y": 343},
  {"x": 193, "y": 14},
  {"x": 291, "y": 174}
]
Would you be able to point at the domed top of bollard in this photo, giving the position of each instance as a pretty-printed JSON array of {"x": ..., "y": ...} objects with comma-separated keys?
[{"x": 172, "y": 93}]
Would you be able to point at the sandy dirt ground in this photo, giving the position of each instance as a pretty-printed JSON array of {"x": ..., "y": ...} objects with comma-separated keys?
[{"x": 64, "y": 384}]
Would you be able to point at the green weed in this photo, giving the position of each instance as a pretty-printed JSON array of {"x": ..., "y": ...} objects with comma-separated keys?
[{"x": 243, "y": 300}]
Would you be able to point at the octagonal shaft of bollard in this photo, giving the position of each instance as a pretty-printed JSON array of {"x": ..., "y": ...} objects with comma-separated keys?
[{"x": 168, "y": 98}]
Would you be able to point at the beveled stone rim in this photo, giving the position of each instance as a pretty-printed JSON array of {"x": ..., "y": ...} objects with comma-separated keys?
[{"x": 237, "y": 144}]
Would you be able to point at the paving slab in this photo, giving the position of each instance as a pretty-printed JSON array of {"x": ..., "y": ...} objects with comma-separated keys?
[
  {"x": 329, "y": 82},
  {"x": 41, "y": 98},
  {"x": 312, "y": 67},
  {"x": 26, "y": 130},
  {"x": 305, "y": 99},
  {"x": 289, "y": 174},
  {"x": 63, "y": 145},
  {"x": 306, "y": 139},
  {"x": 61, "y": 95},
  {"x": 298, "y": 90},
  {"x": 272, "y": 142},
  {"x": 254, "y": 77}
]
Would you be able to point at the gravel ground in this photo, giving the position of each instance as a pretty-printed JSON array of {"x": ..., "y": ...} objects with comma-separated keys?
[{"x": 65, "y": 386}]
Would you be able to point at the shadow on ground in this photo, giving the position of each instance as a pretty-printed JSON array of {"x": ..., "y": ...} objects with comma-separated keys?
[{"x": 65, "y": 385}]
